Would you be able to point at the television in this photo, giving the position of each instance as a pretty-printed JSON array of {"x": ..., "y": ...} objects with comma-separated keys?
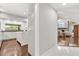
[{"x": 62, "y": 24}]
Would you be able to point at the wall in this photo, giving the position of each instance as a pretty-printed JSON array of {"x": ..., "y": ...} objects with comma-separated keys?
[
  {"x": 30, "y": 35},
  {"x": 47, "y": 28}
]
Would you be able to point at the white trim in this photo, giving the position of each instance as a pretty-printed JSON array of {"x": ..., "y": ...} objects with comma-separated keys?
[{"x": 36, "y": 29}]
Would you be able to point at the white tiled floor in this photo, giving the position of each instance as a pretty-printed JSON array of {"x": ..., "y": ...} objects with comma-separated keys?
[{"x": 62, "y": 51}]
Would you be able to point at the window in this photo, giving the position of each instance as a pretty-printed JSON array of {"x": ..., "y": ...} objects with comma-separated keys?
[
  {"x": 62, "y": 24},
  {"x": 12, "y": 27}
]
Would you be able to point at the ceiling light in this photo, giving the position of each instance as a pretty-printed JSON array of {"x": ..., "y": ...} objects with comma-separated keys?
[
  {"x": 59, "y": 48},
  {"x": 64, "y": 4},
  {"x": 2, "y": 10},
  {"x": 24, "y": 13}
]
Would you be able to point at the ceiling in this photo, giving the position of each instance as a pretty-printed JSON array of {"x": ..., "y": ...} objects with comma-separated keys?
[
  {"x": 17, "y": 9},
  {"x": 70, "y": 10}
]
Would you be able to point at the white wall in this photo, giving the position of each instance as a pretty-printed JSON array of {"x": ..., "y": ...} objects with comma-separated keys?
[
  {"x": 47, "y": 28},
  {"x": 30, "y": 35}
]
